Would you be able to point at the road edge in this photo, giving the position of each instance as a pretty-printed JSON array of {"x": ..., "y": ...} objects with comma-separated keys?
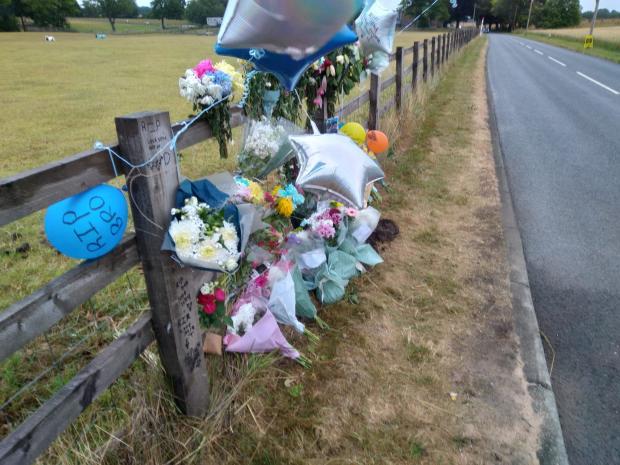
[{"x": 552, "y": 448}]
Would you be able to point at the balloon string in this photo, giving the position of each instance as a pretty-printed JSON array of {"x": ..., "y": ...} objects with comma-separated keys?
[{"x": 417, "y": 17}]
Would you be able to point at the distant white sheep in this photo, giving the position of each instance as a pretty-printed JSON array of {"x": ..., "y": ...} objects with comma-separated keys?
[{"x": 50, "y": 39}]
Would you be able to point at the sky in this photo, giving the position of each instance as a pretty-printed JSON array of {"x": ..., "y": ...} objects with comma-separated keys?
[{"x": 586, "y": 4}]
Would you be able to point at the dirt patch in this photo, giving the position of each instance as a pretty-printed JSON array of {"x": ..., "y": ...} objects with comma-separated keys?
[{"x": 386, "y": 231}]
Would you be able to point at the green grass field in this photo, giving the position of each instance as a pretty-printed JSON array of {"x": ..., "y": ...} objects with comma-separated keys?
[
  {"x": 59, "y": 99},
  {"x": 606, "y": 39}
]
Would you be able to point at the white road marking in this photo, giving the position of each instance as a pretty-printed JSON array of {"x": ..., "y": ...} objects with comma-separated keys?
[
  {"x": 557, "y": 61},
  {"x": 539, "y": 52},
  {"x": 529, "y": 47},
  {"x": 598, "y": 83},
  {"x": 521, "y": 43}
]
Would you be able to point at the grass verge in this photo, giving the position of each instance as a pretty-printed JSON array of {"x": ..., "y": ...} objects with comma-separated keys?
[
  {"x": 602, "y": 48},
  {"x": 423, "y": 370}
]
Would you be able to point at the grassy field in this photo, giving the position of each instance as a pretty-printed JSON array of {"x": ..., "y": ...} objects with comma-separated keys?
[
  {"x": 57, "y": 100},
  {"x": 606, "y": 40}
]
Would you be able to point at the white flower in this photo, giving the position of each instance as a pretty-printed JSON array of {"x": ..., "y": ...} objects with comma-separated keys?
[
  {"x": 332, "y": 70},
  {"x": 207, "y": 288},
  {"x": 243, "y": 320},
  {"x": 340, "y": 59},
  {"x": 184, "y": 234},
  {"x": 231, "y": 264}
]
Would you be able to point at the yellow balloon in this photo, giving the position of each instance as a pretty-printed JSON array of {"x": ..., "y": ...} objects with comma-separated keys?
[{"x": 355, "y": 131}]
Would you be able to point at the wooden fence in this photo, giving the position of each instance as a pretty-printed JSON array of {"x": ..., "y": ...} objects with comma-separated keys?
[{"x": 172, "y": 319}]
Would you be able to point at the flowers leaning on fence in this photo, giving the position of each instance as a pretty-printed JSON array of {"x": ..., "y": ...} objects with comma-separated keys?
[
  {"x": 211, "y": 87},
  {"x": 202, "y": 237},
  {"x": 263, "y": 139}
]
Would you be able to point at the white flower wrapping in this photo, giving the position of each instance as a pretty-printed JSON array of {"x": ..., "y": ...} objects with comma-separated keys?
[
  {"x": 206, "y": 244},
  {"x": 263, "y": 139}
]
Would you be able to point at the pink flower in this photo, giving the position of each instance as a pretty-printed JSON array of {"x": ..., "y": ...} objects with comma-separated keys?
[
  {"x": 352, "y": 212},
  {"x": 261, "y": 281},
  {"x": 205, "y": 66},
  {"x": 220, "y": 295},
  {"x": 326, "y": 229}
]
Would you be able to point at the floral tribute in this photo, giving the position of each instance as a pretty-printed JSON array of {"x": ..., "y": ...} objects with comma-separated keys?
[
  {"x": 202, "y": 237},
  {"x": 210, "y": 88}
]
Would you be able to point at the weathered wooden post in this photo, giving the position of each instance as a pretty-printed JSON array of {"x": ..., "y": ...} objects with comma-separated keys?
[
  {"x": 321, "y": 116},
  {"x": 172, "y": 290},
  {"x": 374, "y": 101},
  {"x": 438, "y": 51},
  {"x": 425, "y": 61},
  {"x": 416, "y": 61},
  {"x": 399, "y": 77},
  {"x": 443, "y": 48},
  {"x": 432, "y": 56}
]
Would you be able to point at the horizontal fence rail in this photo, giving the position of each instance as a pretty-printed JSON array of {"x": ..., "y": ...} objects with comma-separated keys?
[{"x": 172, "y": 320}]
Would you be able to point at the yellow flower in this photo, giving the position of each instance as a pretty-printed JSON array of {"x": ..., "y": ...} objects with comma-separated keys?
[
  {"x": 235, "y": 76},
  {"x": 257, "y": 191},
  {"x": 285, "y": 207},
  {"x": 275, "y": 191}
]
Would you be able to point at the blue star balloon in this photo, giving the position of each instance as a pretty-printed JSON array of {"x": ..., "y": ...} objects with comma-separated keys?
[{"x": 283, "y": 66}]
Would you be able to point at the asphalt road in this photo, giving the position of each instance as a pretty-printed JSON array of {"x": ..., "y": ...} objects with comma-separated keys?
[{"x": 558, "y": 116}]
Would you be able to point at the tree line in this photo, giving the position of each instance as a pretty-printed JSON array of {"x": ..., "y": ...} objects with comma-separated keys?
[
  {"x": 18, "y": 14},
  {"x": 504, "y": 14}
]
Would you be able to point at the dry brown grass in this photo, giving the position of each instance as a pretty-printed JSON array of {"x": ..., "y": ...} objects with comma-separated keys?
[{"x": 434, "y": 319}]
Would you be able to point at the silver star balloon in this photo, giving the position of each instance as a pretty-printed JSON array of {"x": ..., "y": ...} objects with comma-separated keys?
[
  {"x": 332, "y": 165},
  {"x": 296, "y": 27}
]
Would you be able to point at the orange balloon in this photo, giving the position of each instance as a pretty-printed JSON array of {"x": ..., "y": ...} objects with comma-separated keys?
[{"x": 377, "y": 141}]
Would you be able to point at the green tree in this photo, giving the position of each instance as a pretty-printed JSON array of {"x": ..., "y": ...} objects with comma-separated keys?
[
  {"x": 90, "y": 9},
  {"x": 171, "y": 9},
  {"x": 198, "y": 11},
  {"x": 113, "y": 9},
  {"x": 558, "y": 13},
  {"x": 49, "y": 13},
  {"x": 439, "y": 12},
  {"x": 8, "y": 21}
]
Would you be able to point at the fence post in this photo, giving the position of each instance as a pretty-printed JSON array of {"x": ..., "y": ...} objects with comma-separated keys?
[
  {"x": 171, "y": 289},
  {"x": 443, "y": 48},
  {"x": 374, "y": 102},
  {"x": 432, "y": 56},
  {"x": 416, "y": 60},
  {"x": 321, "y": 116},
  {"x": 399, "y": 76},
  {"x": 425, "y": 61}
]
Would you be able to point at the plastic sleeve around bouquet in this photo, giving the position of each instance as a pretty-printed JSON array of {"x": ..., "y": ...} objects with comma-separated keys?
[
  {"x": 266, "y": 146},
  {"x": 264, "y": 336},
  {"x": 303, "y": 303},
  {"x": 364, "y": 253},
  {"x": 333, "y": 278},
  {"x": 282, "y": 302},
  {"x": 364, "y": 224},
  {"x": 244, "y": 217}
]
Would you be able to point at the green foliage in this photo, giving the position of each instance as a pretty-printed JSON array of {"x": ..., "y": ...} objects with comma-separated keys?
[
  {"x": 171, "y": 9},
  {"x": 113, "y": 9},
  {"x": 52, "y": 13},
  {"x": 218, "y": 119},
  {"x": 8, "y": 21},
  {"x": 558, "y": 13},
  {"x": 198, "y": 11},
  {"x": 288, "y": 106},
  {"x": 441, "y": 11}
]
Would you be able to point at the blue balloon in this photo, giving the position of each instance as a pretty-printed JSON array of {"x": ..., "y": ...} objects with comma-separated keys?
[
  {"x": 286, "y": 69},
  {"x": 87, "y": 225}
]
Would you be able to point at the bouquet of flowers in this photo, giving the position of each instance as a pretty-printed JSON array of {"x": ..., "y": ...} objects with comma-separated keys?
[
  {"x": 203, "y": 237},
  {"x": 211, "y": 87},
  {"x": 248, "y": 191},
  {"x": 263, "y": 139},
  {"x": 334, "y": 75},
  {"x": 327, "y": 221},
  {"x": 285, "y": 200}
]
